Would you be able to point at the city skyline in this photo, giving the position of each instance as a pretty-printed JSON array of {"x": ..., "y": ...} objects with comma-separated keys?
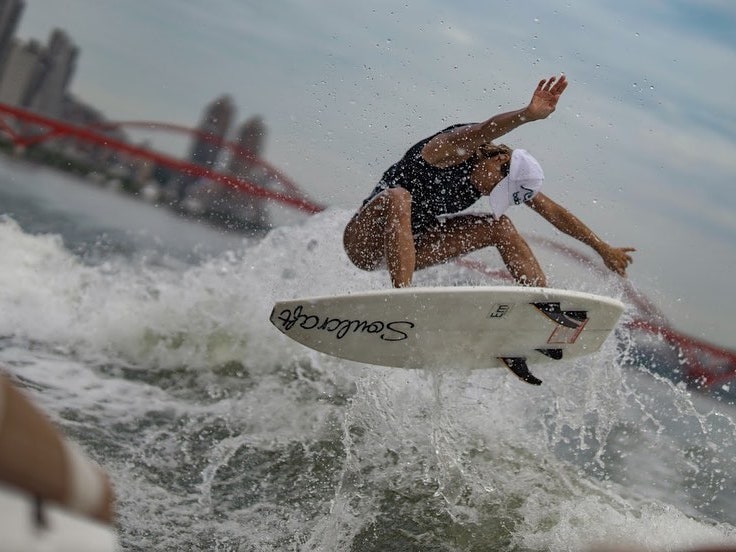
[
  {"x": 37, "y": 77},
  {"x": 531, "y": 31},
  {"x": 346, "y": 88}
]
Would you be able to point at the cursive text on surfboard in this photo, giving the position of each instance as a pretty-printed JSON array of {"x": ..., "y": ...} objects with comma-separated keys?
[{"x": 340, "y": 327}]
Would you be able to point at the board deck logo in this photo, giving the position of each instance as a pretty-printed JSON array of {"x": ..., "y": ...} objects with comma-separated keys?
[
  {"x": 570, "y": 323},
  {"x": 394, "y": 330},
  {"x": 500, "y": 310}
]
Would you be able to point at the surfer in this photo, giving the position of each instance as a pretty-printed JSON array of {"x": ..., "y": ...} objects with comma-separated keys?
[{"x": 412, "y": 218}]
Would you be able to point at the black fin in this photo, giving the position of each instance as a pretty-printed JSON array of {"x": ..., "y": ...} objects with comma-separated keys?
[
  {"x": 518, "y": 366},
  {"x": 555, "y": 354},
  {"x": 569, "y": 319}
]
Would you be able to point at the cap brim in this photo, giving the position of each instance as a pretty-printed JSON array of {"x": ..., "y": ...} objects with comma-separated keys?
[{"x": 499, "y": 198}]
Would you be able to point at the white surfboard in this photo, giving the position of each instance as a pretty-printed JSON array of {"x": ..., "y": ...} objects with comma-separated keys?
[
  {"x": 466, "y": 327},
  {"x": 30, "y": 525}
]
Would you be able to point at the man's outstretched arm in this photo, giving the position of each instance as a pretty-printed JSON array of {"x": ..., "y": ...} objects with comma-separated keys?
[
  {"x": 450, "y": 148},
  {"x": 616, "y": 259}
]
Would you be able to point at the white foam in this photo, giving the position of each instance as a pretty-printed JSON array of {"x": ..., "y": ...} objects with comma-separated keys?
[{"x": 481, "y": 446}]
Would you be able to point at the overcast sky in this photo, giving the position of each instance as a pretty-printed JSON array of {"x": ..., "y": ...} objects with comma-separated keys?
[{"x": 642, "y": 146}]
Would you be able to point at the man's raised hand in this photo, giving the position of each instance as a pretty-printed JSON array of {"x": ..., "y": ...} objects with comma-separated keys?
[{"x": 545, "y": 97}]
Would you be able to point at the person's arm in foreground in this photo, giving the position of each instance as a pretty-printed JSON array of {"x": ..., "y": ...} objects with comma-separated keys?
[
  {"x": 450, "y": 148},
  {"x": 616, "y": 258},
  {"x": 36, "y": 458}
]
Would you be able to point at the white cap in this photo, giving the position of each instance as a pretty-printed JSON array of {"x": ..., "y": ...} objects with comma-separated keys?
[{"x": 523, "y": 182}]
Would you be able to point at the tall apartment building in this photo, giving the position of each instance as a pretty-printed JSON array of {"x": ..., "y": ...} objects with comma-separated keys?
[
  {"x": 48, "y": 92},
  {"x": 244, "y": 164},
  {"x": 216, "y": 121},
  {"x": 10, "y": 12},
  {"x": 24, "y": 67}
]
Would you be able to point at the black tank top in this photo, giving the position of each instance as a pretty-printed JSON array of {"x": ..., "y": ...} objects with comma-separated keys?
[{"x": 434, "y": 191}]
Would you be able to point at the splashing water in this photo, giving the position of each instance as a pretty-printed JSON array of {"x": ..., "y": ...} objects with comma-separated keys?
[{"x": 221, "y": 434}]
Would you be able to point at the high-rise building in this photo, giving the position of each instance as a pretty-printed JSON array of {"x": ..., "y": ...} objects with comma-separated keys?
[
  {"x": 10, "y": 12},
  {"x": 49, "y": 91},
  {"x": 244, "y": 164},
  {"x": 216, "y": 121},
  {"x": 250, "y": 140},
  {"x": 23, "y": 68},
  {"x": 252, "y": 136},
  {"x": 205, "y": 149}
]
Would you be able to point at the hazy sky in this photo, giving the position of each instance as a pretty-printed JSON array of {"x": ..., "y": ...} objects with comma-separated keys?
[{"x": 642, "y": 146}]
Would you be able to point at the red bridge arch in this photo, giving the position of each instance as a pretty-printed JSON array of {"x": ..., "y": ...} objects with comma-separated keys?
[{"x": 46, "y": 128}]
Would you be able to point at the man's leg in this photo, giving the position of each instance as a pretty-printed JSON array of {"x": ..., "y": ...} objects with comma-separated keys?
[
  {"x": 382, "y": 230},
  {"x": 466, "y": 233}
]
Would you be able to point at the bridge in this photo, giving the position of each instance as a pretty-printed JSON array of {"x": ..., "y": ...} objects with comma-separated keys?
[
  {"x": 677, "y": 356},
  {"x": 43, "y": 129}
]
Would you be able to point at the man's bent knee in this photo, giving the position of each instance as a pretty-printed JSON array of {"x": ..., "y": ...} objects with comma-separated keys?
[{"x": 361, "y": 248}]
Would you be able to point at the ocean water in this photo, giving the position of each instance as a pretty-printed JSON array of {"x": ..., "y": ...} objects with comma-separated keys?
[{"x": 146, "y": 338}]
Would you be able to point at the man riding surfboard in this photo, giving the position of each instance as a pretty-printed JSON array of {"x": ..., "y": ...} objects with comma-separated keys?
[{"x": 413, "y": 218}]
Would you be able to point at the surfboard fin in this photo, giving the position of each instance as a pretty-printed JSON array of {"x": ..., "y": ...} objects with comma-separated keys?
[
  {"x": 569, "y": 319},
  {"x": 520, "y": 369},
  {"x": 555, "y": 354}
]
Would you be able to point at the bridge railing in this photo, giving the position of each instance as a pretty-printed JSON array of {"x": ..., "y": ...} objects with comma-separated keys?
[{"x": 45, "y": 128}]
